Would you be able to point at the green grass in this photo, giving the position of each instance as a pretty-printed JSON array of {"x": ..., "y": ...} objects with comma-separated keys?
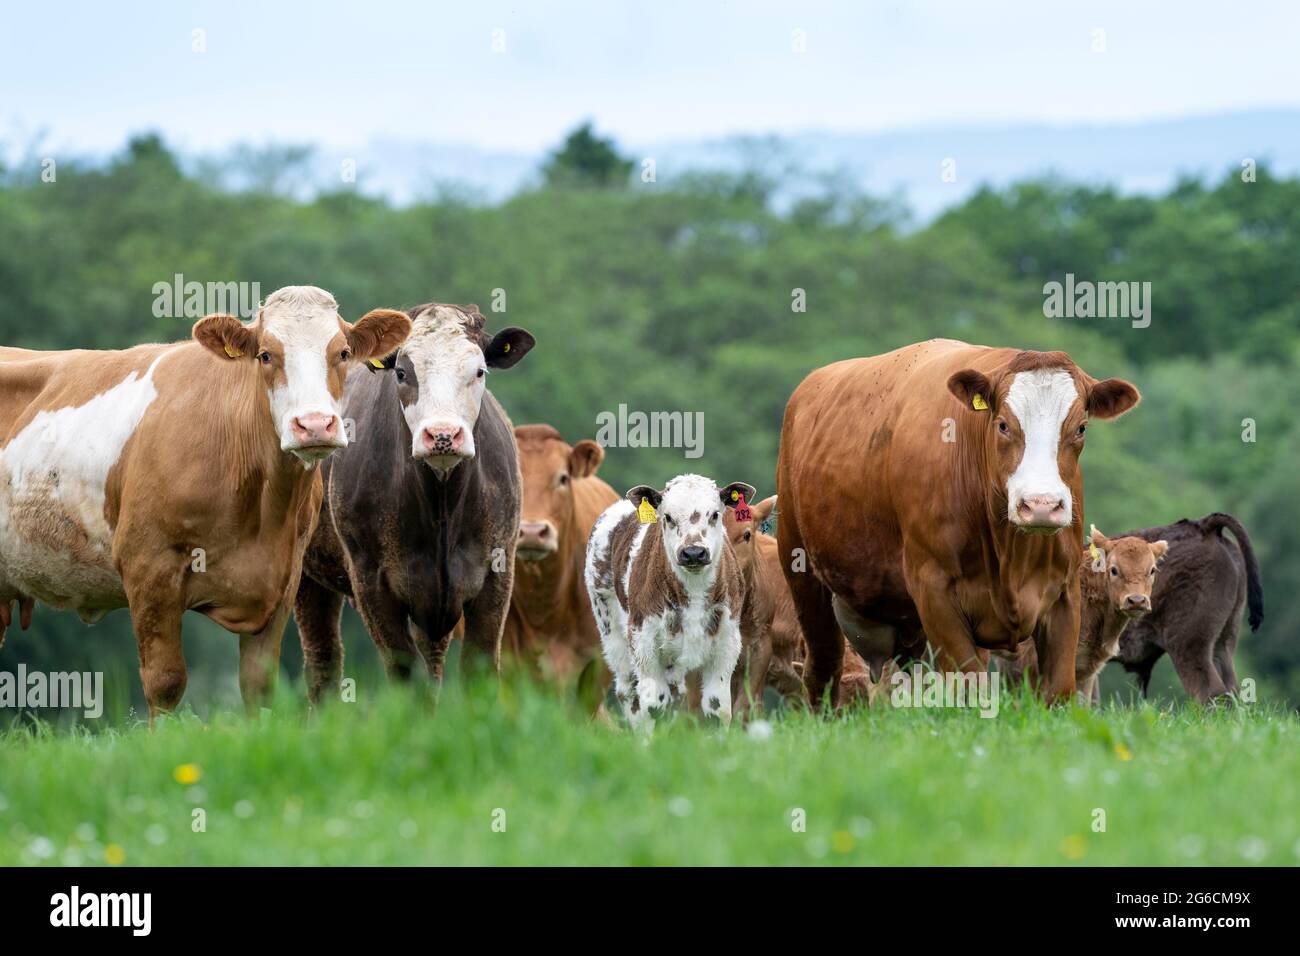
[{"x": 392, "y": 782}]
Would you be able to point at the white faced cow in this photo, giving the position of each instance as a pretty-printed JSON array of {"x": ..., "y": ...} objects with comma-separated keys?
[
  {"x": 666, "y": 591},
  {"x": 178, "y": 477}
]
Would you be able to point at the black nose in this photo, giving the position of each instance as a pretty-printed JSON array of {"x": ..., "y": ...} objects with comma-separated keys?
[{"x": 693, "y": 556}]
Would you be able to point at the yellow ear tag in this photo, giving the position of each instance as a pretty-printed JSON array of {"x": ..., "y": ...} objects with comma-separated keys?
[
  {"x": 377, "y": 363},
  {"x": 506, "y": 347},
  {"x": 231, "y": 352},
  {"x": 977, "y": 402},
  {"x": 1093, "y": 552},
  {"x": 646, "y": 512}
]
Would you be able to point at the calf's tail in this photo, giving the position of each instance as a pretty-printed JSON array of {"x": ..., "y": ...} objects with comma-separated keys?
[{"x": 1254, "y": 588}]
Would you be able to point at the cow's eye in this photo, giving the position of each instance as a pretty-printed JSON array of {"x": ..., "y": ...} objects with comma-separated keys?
[
  {"x": 1114, "y": 572},
  {"x": 564, "y": 479},
  {"x": 714, "y": 516},
  {"x": 264, "y": 357},
  {"x": 401, "y": 375},
  {"x": 481, "y": 373},
  {"x": 1152, "y": 572},
  {"x": 1083, "y": 428},
  {"x": 1002, "y": 427},
  {"x": 345, "y": 355},
  {"x": 669, "y": 521},
  {"x": 746, "y": 535}
]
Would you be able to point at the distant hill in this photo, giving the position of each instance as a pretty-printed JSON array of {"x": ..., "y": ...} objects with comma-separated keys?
[{"x": 1143, "y": 157}]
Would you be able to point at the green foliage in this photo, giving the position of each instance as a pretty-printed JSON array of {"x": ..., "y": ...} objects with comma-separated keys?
[
  {"x": 678, "y": 296},
  {"x": 586, "y": 159}
]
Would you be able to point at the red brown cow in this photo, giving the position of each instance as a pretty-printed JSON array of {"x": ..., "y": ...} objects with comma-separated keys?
[
  {"x": 167, "y": 478},
  {"x": 926, "y": 490},
  {"x": 550, "y": 625}
]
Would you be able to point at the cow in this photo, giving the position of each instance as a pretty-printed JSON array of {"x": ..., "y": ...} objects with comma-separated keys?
[
  {"x": 421, "y": 512},
  {"x": 550, "y": 625},
  {"x": 1116, "y": 578},
  {"x": 925, "y": 491},
  {"x": 1205, "y": 583},
  {"x": 167, "y": 478},
  {"x": 666, "y": 592}
]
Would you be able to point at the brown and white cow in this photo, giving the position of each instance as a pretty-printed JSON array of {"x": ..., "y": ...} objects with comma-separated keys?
[
  {"x": 550, "y": 624},
  {"x": 167, "y": 478},
  {"x": 666, "y": 593},
  {"x": 926, "y": 489}
]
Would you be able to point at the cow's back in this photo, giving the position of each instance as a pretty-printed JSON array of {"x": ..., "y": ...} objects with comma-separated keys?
[{"x": 863, "y": 463}]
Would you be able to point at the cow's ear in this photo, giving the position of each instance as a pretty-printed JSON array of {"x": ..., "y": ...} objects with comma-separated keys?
[
  {"x": 763, "y": 510},
  {"x": 1098, "y": 545},
  {"x": 644, "y": 493},
  {"x": 1159, "y": 549},
  {"x": 585, "y": 458},
  {"x": 225, "y": 336},
  {"x": 507, "y": 347},
  {"x": 1111, "y": 398},
  {"x": 377, "y": 335},
  {"x": 730, "y": 495},
  {"x": 973, "y": 389}
]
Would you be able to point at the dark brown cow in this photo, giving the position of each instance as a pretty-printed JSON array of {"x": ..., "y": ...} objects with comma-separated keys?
[
  {"x": 167, "y": 478},
  {"x": 926, "y": 488},
  {"x": 550, "y": 625}
]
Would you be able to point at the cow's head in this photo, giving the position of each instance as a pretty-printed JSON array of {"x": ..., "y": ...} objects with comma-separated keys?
[
  {"x": 441, "y": 375},
  {"x": 1035, "y": 413},
  {"x": 550, "y": 466},
  {"x": 1130, "y": 568},
  {"x": 303, "y": 350},
  {"x": 690, "y": 517},
  {"x": 741, "y": 534}
]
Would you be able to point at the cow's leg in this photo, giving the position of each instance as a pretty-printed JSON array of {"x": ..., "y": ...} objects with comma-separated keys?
[
  {"x": 715, "y": 682},
  {"x": 750, "y": 695},
  {"x": 652, "y": 682},
  {"x": 317, "y": 610},
  {"x": 259, "y": 660},
  {"x": 944, "y": 624},
  {"x": 1225, "y": 648},
  {"x": 1056, "y": 644},
  {"x": 612, "y": 627},
  {"x": 485, "y": 619},
  {"x": 385, "y": 618},
  {"x": 812, "y": 604},
  {"x": 155, "y": 597},
  {"x": 1193, "y": 660}
]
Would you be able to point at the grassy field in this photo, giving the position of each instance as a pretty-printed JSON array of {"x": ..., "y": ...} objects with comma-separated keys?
[{"x": 519, "y": 777}]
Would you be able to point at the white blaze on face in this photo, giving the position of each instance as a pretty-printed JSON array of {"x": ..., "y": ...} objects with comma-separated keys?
[
  {"x": 691, "y": 517},
  {"x": 304, "y": 320},
  {"x": 450, "y": 377},
  {"x": 1040, "y": 401}
]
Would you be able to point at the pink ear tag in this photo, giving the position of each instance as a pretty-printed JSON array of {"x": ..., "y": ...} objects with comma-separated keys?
[{"x": 742, "y": 509}]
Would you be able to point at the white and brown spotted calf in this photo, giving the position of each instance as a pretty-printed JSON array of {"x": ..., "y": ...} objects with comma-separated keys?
[{"x": 667, "y": 591}]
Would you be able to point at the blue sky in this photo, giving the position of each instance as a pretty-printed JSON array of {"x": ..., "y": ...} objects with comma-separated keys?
[{"x": 339, "y": 73}]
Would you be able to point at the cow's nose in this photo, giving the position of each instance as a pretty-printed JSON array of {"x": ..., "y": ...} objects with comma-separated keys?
[
  {"x": 693, "y": 556},
  {"x": 315, "y": 429},
  {"x": 537, "y": 536},
  {"x": 443, "y": 439},
  {"x": 1137, "y": 602},
  {"x": 1042, "y": 511}
]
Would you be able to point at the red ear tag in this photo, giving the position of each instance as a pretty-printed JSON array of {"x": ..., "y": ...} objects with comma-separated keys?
[{"x": 742, "y": 509}]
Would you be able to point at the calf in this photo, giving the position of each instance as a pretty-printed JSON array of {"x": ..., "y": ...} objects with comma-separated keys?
[
  {"x": 550, "y": 625},
  {"x": 167, "y": 478},
  {"x": 421, "y": 512},
  {"x": 1205, "y": 583},
  {"x": 1115, "y": 582},
  {"x": 667, "y": 593}
]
